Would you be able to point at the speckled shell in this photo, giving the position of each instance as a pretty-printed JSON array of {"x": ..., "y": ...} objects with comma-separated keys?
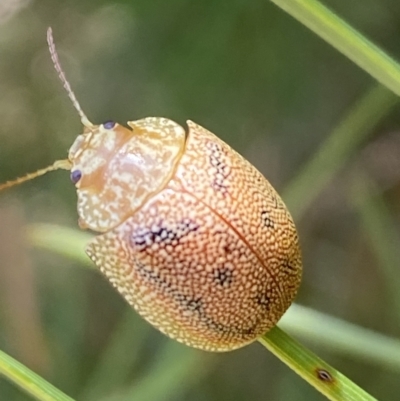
[{"x": 211, "y": 259}]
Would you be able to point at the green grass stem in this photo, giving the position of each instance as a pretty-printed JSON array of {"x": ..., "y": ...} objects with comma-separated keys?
[
  {"x": 346, "y": 39},
  {"x": 327, "y": 380},
  {"x": 335, "y": 151},
  {"x": 28, "y": 381}
]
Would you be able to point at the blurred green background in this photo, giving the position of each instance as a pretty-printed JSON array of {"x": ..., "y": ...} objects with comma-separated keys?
[{"x": 272, "y": 90}]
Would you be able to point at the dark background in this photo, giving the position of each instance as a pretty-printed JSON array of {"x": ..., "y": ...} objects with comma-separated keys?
[{"x": 266, "y": 85}]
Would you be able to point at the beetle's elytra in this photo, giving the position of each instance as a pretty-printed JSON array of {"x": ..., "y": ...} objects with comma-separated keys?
[{"x": 190, "y": 233}]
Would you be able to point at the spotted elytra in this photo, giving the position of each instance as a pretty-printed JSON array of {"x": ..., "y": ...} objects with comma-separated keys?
[{"x": 190, "y": 233}]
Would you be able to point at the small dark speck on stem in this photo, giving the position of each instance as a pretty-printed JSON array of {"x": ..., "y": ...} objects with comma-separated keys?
[{"x": 324, "y": 375}]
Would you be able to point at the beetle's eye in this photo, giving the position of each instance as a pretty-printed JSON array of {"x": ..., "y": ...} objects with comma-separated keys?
[
  {"x": 76, "y": 175},
  {"x": 109, "y": 124}
]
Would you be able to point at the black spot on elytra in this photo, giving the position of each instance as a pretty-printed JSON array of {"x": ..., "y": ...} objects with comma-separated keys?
[
  {"x": 222, "y": 170},
  {"x": 264, "y": 300},
  {"x": 192, "y": 304},
  {"x": 288, "y": 266},
  {"x": 162, "y": 233},
  {"x": 156, "y": 279},
  {"x": 195, "y": 304},
  {"x": 228, "y": 331},
  {"x": 223, "y": 276},
  {"x": 266, "y": 219},
  {"x": 273, "y": 201},
  {"x": 248, "y": 331},
  {"x": 227, "y": 249},
  {"x": 152, "y": 276}
]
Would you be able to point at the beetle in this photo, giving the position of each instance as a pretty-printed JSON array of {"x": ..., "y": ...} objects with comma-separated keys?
[{"x": 190, "y": 233}]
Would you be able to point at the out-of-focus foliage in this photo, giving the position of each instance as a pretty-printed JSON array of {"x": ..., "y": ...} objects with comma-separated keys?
[{"x": 260, "y": 81}]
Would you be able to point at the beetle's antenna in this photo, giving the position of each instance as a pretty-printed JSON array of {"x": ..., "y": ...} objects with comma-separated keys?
[
  {"x": 59, "y": 164},
  {"x": 57, "y": 65}
]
